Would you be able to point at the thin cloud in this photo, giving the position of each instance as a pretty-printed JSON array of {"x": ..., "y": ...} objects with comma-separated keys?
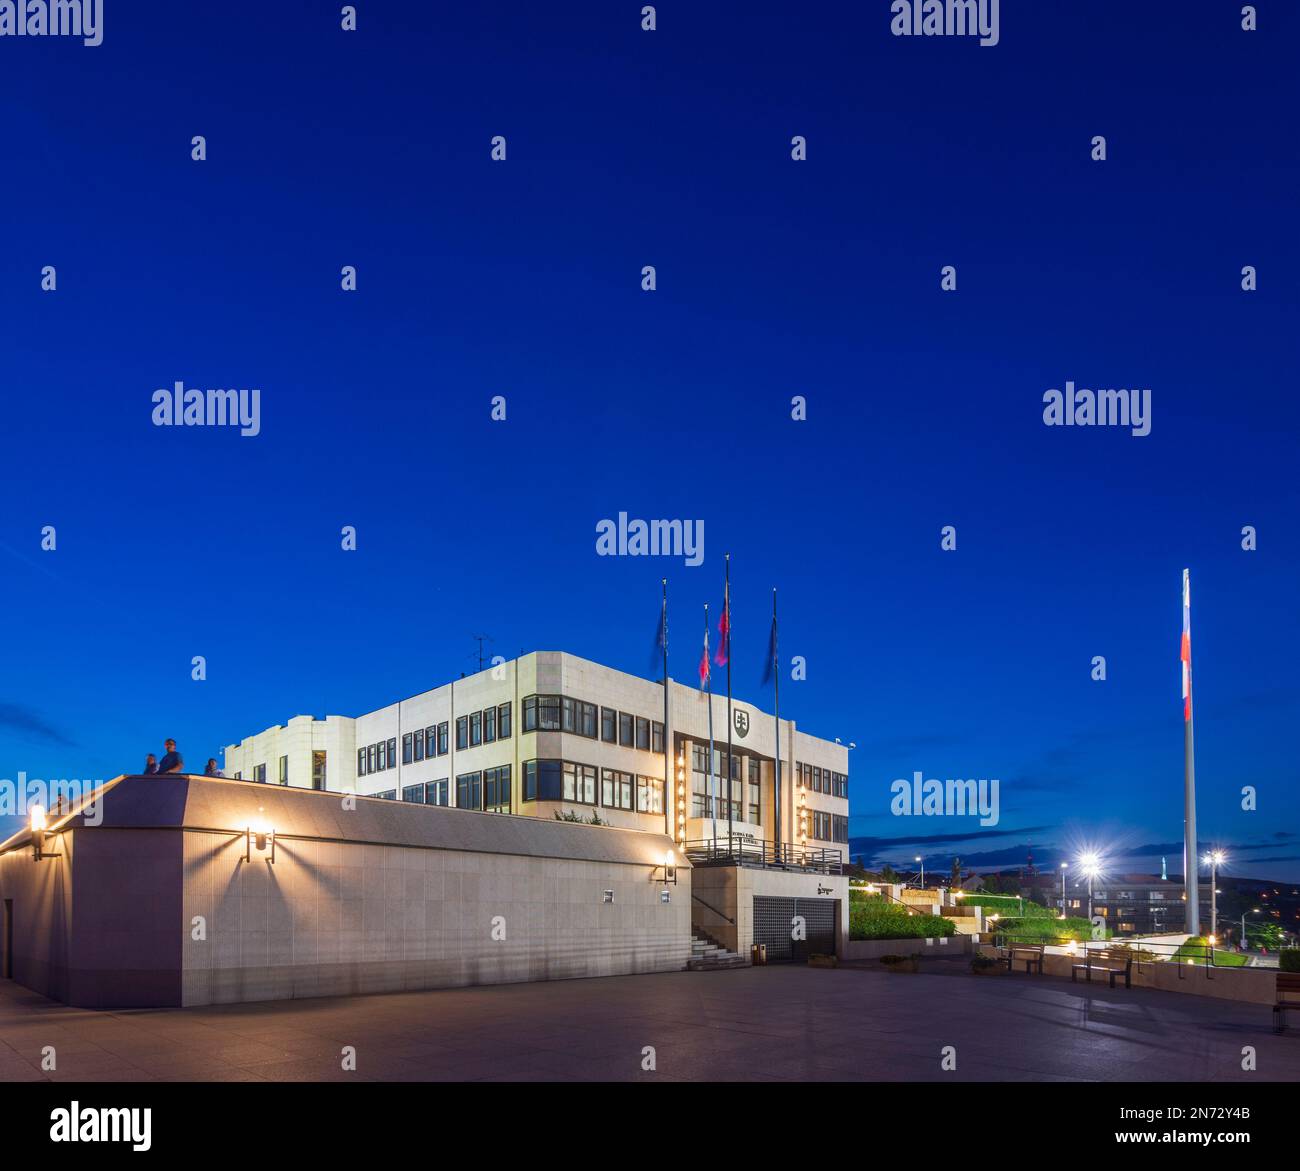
[{"x": 24, "y": 721}]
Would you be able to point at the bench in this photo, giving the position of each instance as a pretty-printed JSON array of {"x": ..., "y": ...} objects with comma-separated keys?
[
  {"x": 1030, "y": 953},
  {"x": 1114, "y": 962},
  {"x": 1288, "y": 996}
]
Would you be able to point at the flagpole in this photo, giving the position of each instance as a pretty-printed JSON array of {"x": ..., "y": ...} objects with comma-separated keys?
[
  {"x": 668, "y": 748},
  {"x": 730, "y": 782},
  {"x": 776, "y": 680},
  {"x": 1190, "y": 884},
  {"x": 708, "y": 678}
]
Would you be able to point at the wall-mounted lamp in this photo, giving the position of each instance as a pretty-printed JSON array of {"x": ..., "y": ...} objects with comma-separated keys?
[
  {"x": 259, "y": 837},
  {"x": 669, "y": 870},
  {"x": 38, "y": 827}
]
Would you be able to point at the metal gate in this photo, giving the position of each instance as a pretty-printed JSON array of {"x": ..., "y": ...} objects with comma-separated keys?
[{"x": 775, "y": 925}]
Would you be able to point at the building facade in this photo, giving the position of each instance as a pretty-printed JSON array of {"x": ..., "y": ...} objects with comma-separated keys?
[
  {"x": 549, "y": 734},
  {"x": 1130, "y": 904}
]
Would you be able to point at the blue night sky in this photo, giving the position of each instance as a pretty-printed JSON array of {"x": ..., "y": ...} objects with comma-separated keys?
[{"x": 775, "y": 278}]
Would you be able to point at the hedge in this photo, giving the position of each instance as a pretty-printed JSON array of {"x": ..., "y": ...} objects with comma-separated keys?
[
  {"x": 873, "y": 922},
  {"x": 1008, "y": 904},
  {"x": 1041, "y": 927},
  {"x": 1288, "y": 959}
]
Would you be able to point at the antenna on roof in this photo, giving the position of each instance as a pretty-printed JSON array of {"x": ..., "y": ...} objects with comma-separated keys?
[{"x": 481, "y": 639}]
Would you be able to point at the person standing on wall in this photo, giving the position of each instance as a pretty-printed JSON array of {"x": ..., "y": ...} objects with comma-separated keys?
[{"x": 172, "y": 761}]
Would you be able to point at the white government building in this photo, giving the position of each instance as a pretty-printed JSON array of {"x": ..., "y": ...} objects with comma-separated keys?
[
  {"x": 549, "y": 733},
  {"x": 467, "y": 810}
]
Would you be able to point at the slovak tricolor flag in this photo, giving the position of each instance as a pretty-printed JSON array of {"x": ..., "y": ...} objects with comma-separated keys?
[
  {"x": 724, "y": 631},
  {"x": 704, "y": 659},
  {"x": 1186, "y": 653}
]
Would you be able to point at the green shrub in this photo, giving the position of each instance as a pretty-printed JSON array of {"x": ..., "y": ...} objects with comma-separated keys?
[
  {"x": 882, "y": 922},
  {"x": 1197, "y": 949},
  {"x": 1288, "y": 959},
  {"x": 1008, "y": 905},
  {"x": 1041, "y": 929}
]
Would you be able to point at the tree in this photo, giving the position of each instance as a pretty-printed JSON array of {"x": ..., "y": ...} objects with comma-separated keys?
[{"x": 1269, "y": 935}]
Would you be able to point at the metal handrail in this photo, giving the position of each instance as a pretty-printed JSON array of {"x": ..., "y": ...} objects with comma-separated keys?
[
  {"x": 1163, "y": 952},
  {"x": 712, "y": 908},
  {"x": 735, "y": 850}
]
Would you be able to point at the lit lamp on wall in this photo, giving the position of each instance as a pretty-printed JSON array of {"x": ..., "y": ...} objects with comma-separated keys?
[
  {"x": 260, "y": 837},
  {"x": 669, "y": 869},
  {"x": 38, "y": 827}
]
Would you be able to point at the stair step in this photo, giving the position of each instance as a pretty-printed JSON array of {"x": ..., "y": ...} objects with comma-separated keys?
[{"x": 713, "y": 965}]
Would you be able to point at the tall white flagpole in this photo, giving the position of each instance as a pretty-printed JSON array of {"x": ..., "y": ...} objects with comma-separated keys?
[{"x": 1190, "y": 885}]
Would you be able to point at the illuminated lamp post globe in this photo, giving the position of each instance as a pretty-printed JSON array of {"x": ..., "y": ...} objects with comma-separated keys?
[
  {"x": 1090, "y": 864},
  {"x": 1214, "y": 859}
]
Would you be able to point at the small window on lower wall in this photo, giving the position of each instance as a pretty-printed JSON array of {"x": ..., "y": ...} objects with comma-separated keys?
[
  {"x": 436, "y": 792},
  {"x": 414, "y": 793},
  {"x": 259, "y": 773},
  {"x": 496, "y": 789},
  {"x": 615, "y": 789},
  {"x": 579, "y": 783},
  {"x": 562, "y": 780},
  {"x": 649, "y": 794},
  {"x": 386, "y": 795},
  {"x": 469, "y": 791},
  {"x": 542, "y": 780}
]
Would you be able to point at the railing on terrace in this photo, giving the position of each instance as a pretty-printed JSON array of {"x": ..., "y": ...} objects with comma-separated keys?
[
  {"x": 1194, "y": 953},
  {"x": 737, "y": 851}
]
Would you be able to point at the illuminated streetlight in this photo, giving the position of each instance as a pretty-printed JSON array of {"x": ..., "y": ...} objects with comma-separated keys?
[
  {"x": 1214, "y": 859},
  {"x": 1252, "y": 911},
  {"x": 1090, "y": 863}
]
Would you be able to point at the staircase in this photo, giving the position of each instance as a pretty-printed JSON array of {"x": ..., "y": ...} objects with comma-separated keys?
[{"x": 707, "y": 955}]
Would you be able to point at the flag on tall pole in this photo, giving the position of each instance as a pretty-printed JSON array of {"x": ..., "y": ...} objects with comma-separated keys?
[
  {"x": 724, "y": 649},
  {"x": 706, "y": 681},
  {"x": 772, "y": 670},
  {"x": 1190, "y": 886}
]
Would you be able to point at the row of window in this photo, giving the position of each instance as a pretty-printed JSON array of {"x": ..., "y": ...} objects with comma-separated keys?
[
  {"x": 544, "y": 780},
  {"x": 481, "y": 727},
  {"x": 375, "y": 758},
  {"x": 418, "y": 745},
  {"x": 585, "y": 784},
  {"x": 424, "y": 743},
  {"x": 429, "y": 793},
  {"x": 317, "y": 771},
  {"x": 731, "y": 807},
  {"x": 822, "y": 780},
  {"x": 485, "y": 727},
  {"x": 562, "y": 713},
  {"x": 828, "y": 827}
]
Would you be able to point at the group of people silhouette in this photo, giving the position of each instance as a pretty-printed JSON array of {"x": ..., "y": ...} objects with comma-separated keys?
[{"x": 174, "y": 762}]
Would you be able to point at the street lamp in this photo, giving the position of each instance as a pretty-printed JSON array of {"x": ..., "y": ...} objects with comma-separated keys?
[
  {"x": 1214, "y": 859},
  {"x": 1064, "y": 867},
  {"x": 922, "y": 862},
  {"x": 1253, "y": 911},
  {"x": 1091, "y": 865}
]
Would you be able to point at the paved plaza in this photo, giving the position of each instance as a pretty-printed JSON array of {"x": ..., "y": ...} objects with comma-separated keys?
[{"x": 775, "y": 1023}]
